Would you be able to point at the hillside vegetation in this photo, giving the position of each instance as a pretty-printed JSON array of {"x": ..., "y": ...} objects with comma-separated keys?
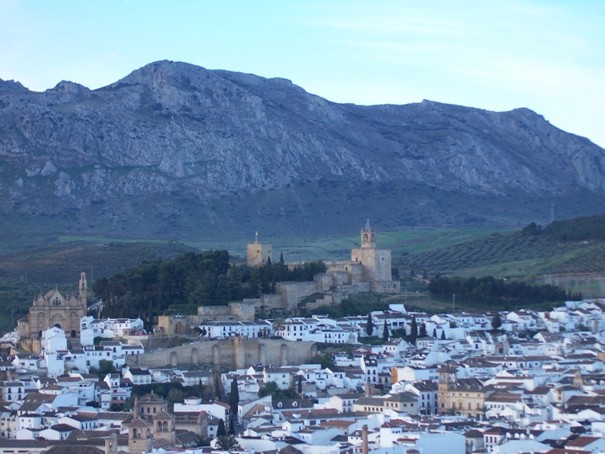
[
  {"x": 62, "y": 262},
  {"x": 572, "y": 246},
  {"x": 182, "y": 284}
]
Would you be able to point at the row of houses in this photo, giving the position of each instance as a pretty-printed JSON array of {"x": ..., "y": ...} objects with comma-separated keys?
[
  {"x": 56, "y": 358},
  {"x": 455, "y": 326}
]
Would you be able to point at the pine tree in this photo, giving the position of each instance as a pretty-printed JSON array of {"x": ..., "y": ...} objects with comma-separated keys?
[
  {"x": 227, "y": 443},
  {"x": 369, "y": 325}
]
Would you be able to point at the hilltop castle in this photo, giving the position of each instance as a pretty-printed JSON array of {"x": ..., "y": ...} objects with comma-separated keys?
[
  {"x": 53, "y": 309},
  {"x": 368, "y": 270},
  {"x": 368, "y": 265}
]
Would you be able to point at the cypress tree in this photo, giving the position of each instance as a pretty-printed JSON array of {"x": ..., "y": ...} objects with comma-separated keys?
[
  {"x": 423, "y": 332},
  {"x": 369, "y": 325},
  {"x": 234, "y": 398},
  {"x": 221, "y": 431},
  {"x": 497, "y": 321},
  {"x": 217, "y": 387},
  {"x": 385, "y": 332},
  {"x": 413, "y": 330}
]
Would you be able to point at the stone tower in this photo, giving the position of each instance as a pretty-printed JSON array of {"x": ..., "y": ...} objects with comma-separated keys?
[
  {"x": 139, "y": 435},
  {"x": 368, "y": 239},
  {"x": 375, "y": 263},
  {"x": 447, "y": 377},
  {"x": 258, "y": 253},
  {"x": 153, "y": 409},
  {"x": 83, "y": 290}
]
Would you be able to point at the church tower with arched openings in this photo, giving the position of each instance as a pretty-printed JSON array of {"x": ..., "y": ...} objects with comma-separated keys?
[
  {"x": 368, "y": 239},
  {"x": 375, "y": 263},
  {"x": 83, "y": 290}
]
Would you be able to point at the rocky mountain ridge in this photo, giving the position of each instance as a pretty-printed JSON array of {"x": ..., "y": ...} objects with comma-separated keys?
[{"x": 175, "y": 150}]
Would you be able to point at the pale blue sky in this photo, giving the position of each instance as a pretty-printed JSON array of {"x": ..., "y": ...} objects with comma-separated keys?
[{"x": 548, "y": 56}]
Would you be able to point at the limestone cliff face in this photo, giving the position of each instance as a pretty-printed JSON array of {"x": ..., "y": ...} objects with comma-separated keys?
[{"x": 173, "y": 144}]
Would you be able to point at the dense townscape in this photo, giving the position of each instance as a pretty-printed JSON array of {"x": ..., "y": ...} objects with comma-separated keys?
[
  {"x": 232, "y": 379},
  {"x": 229, "y": 380},
  {"x": 518, "y": 381}
]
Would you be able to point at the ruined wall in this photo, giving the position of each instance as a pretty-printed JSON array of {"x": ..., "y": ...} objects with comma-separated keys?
[
  {"x": 271, "y": 301},
  {"x": 243, "y": 310},
  {"x": 235, "y": 310},
  {"x": 292, "y": 293},
  {"x": 323, "y": 282},
  {"x": 171, "y": 325},
  {"x": 386, "y": 287},
  {"x": 236, "y": 352}
]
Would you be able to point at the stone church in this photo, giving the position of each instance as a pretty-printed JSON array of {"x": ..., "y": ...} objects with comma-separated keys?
[{"x": 53, "y": 309}]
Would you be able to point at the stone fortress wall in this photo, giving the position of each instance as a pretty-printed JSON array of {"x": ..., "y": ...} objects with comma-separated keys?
[{"x": 237, "y": 352}]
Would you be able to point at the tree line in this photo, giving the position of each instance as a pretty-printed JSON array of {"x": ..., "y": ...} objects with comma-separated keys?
[
  {"x": 586, "y": 228},
  {"x": 191, "y": 280},
  {"x": 489, "y": 290}
]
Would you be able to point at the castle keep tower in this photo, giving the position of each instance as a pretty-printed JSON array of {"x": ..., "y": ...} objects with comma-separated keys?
[
  {"x": 258, "y": 253},
  {"x": 375, "y": 263}
]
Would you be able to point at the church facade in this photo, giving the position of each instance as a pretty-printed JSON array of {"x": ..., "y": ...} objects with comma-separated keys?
[{"x": 53, "y": 309}]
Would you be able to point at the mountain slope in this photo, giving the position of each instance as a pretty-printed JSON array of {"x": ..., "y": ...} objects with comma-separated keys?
[
  {"x": 573, "y": 246},
  {"x": 177, "y": 151}
]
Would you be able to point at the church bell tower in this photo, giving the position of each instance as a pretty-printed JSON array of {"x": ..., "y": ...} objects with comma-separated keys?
[
  {"x": 83, "y": 290},
  {"x": 367, "y": 236}
]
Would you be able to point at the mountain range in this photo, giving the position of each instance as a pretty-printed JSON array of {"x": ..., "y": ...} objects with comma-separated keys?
[{"x": 175, "y": 151}]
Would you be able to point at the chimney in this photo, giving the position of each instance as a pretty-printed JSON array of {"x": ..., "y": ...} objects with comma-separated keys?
[{"x": 364, "y": 439}]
